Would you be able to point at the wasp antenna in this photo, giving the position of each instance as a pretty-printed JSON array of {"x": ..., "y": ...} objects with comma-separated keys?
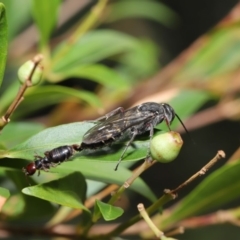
[{"x": 179, "y": 119}]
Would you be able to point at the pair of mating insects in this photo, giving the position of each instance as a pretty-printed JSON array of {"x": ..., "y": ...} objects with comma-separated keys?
[{"x": 109, "y": 128}]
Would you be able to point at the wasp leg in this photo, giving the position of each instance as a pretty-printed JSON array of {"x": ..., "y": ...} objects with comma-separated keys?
[
  {"x": 54, "y": 164},
  {"x": 110, "y": 114},
  {"x": 150, "y": 140},
  {"x": 134, "y": 134},
  {"x": 46, "y": 168},
  {"x": 47, "y": 153},
  {"x": 37, "y": 157}
]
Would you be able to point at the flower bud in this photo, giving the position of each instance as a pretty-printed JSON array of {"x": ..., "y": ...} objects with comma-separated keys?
[
  {"x": 25, "y": 71},
  {"x": 166, "y": 146}
]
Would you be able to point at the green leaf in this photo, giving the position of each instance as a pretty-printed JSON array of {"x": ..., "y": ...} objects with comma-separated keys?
[
  {"x": 17, "y": 22},
  {"x": 22, "y": 206},
  {"x": 104, "y": 172},
  {"x": 68, "y": 191},
  {"x": 72, "y": 134},
  {"x": 4, "y": 193},
  {"x": 218, "y": 56},
  {"x": 47, "y": 95},
  {"x": 100, "y": 74},
  {"x": 16, "y": 132},
  {"x": 196, "y": 97},
  {"x": 8, "y": 95},
  {"x": 91, "y": 48},
  {"x": 182, "y": 107},
  {"x": 108, "y": 211},
  {"x": 48, "y": 139},
  {"x": 152, "y": 10},
  {"x": 218, "y": 189},
  {"x": 3, "y": 41},
  {"x": 141, "y": 62},
  {"x": 45, "y": 15}
]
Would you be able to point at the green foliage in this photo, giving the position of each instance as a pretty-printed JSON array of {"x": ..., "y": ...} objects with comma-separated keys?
[
  {"x": 15, "y": 133},
  {"x": 72, "y": 133},
  {"x": 86, "y": 50},
  {"x": 19, "y": 20},
  {"x": 3, "y": 41},
  {"x": 108, "y": 211},
  {"x": 45, "y": 15},
  {"x": 145, "y": 9},
  {"x": 216, "y": 190},
  {"x": 4, "y": 192},
  {"x": 72, "y": 194},
  {"x": 106, "y": 66}
]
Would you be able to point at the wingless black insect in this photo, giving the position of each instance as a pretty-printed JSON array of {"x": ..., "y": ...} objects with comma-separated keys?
[
  {"x": 109, "y": 128},
  {"x": 51, "y": 159}
]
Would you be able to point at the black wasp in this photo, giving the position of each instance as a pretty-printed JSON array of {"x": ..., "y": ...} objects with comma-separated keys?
[
  {"x": 109, "y": 128},
  {"x": 51, "y": 159},
  {"x": 133, "y": 122}
]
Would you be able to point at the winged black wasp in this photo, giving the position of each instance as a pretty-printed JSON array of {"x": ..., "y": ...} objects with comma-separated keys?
[
  {"x": 133, "y": 122},
  {"x": 109, "y": 128}
]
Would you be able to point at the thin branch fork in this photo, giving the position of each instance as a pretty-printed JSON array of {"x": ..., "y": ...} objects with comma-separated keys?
[
  {"x": 220, "y": 154},
  {"x": 19, "y": 97}
]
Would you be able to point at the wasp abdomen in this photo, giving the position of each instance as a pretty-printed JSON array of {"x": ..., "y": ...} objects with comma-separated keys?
[
  {"x": 51, "y": 158},
  {"x": 59, "y": 154}
]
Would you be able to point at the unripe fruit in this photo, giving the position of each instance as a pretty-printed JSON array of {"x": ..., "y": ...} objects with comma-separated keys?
[
  {"x": 25, "y": 71},
  {"x": 166, "y": 146}
]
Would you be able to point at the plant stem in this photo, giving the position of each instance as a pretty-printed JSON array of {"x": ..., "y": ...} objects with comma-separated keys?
[
  {"x": 168, "y": 196},
  {"x": 89, "y": 22},
  {"x": 220, "y": 154},
  {"x": 154, "y": 207},
  {"x": 136, "y": 173},
  {"x": 19, "y": 97},
  {"x": 159, "y": 234}
]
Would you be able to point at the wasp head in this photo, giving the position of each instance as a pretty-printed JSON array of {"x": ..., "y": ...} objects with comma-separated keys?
[
  {"x": 169, "y": 113},
  {"x": 30, "y": 169}
]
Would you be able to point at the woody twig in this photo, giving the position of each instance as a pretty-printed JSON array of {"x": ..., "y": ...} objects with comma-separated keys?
[{"x": 5, "y": 119}]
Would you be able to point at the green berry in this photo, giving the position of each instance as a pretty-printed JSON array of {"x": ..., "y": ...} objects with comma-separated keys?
[
  {"x": 25, "y": 71},
  {"x": 166, "y": 146}
]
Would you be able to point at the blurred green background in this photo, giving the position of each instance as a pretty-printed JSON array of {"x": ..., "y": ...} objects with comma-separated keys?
[{"x": 99, "y": 55}]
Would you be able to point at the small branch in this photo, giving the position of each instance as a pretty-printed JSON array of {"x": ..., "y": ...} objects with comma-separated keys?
[
  {"x": 159, "y": 234},
  {"x": 220, "y": 217},
  {"x": 168, "y": 196},
  {"x": 176, "y": 231},
  {"x": 19, "y": 98},
  {"x": 220, "y": 155},
  {"x": 108, "y": 190},
  {"x": 154, "y": 207},
  {"x": 91, "y": 20},
  {"x": 138, "y": 171}
]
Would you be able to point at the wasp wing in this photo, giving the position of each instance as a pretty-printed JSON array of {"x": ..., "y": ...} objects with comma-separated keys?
[{"x": 116, "y": 125}]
